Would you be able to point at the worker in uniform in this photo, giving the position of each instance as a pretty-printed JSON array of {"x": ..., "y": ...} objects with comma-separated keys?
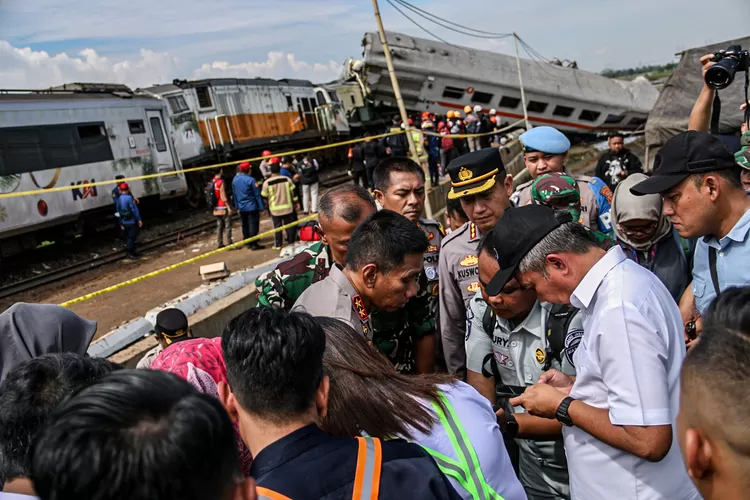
[
  {"x": 249, "y": 203},
  {"x": 383, "y": 264},
  {"x": 480, "y": 182},
  {"x": 400, "y": 187},
  {"x": 546, "y": 151},
  {"x": 221, "y": 208},
  {"x": 559, "y": 191},
  {"x": 472, "y": 126},
  {"x": 281, "y": 194},
  {"x": 171, "y": 326},
  {"x": 341, "y": 210},
  {"x": 511, "y": 339},
  {"x": 396, "y": 145},
  {"x": 130, "y": 218},
  {"x": 265, "y": 164},
  {"x": 432, "y": 148}
]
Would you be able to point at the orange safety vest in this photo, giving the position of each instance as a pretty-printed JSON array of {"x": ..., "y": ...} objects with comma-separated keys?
[{"x": 366, "y": 477}]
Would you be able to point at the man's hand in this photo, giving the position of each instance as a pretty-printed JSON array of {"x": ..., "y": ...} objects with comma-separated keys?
[
  {"x": 501, "y": 420},
  {"x": 140, "y": 223},
  {"x": 122, "y": 228},
  {"x": 540, "y": 400},
  {"x": 558, "y": 380},
  {"x": 706, "y": 63}
]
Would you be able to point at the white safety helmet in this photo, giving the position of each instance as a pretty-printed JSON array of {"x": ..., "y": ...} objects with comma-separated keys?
[
  {"x": 493, "y": 112},
  {"x": 503, "y": 141},
  {"x": 477, "y": 108}
]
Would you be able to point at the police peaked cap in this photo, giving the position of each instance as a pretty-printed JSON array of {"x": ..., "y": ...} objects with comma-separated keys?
[{"x": 474, "y": 172}]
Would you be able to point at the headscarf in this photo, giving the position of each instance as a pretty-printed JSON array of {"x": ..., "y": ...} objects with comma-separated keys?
[
  {"x": 30, "y": 330},
  {"x": 200, "y": 361},
  {"x": 626, "y": 206}
]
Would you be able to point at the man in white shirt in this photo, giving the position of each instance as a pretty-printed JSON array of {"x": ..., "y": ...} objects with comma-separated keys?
[{"x": 619, "y": 412}]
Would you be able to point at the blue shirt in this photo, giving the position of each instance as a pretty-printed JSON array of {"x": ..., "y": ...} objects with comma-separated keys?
[
  {"x": 285, "y": 172},
  {"x": 603, "y": 196},
  {"x": 246, "y": 193},
  {"x": 124, "y": 205},
  {"x": 115, "y": 194},
  {"x": 732, "y": 257},
  {"x": 309, "y": 463}
]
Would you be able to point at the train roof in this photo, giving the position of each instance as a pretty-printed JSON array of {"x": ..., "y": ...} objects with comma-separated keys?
[
  {"x": 219, "y": 82},
  {"x": 418, "y": 55},
  {"x": 74, "y": 91}
]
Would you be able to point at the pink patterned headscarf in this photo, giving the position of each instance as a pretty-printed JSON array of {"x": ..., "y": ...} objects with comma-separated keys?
[{"x": 200, "y": 361}]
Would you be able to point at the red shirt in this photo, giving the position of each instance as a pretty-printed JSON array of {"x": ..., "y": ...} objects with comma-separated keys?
[{"x": 217, "y": 192}]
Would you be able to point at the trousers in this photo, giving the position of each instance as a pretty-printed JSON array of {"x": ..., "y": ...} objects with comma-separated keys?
[
  {"x": 310, "y": 198},
  {"x": 130, "y": 233},
  {"x": 432, "y": 162},
  {"x": 250, "y": 225},
  {"x": 291, "y": 233},
  {"x": 223, "y": 222},
  {"x": 360, "y": 177}
]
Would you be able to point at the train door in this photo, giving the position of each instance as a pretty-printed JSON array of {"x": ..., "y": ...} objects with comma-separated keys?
[{"x": 161, "y": 156}]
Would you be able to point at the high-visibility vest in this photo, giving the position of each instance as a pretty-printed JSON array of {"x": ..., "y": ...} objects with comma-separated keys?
[
  {"x": 419, "y": 145},
  {"x": 466, "y": 469},
  {"x": 366, "y": 477}
]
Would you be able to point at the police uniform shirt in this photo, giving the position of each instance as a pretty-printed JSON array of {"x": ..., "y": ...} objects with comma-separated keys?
[
  {"x": 336, "y": 297},
  {"x": 628, "y": 362},
  {"x": 435, "y": 234},
  {"x": 596, "y": 201},
  {"x": 459, "y": 269},
  {"x": 520, "y": 355}
]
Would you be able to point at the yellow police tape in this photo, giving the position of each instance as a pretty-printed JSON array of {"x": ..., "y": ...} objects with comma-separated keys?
[
  {"x": 163, "y": 270},
  {"x": 196, "y": 169},
  {"x": 258, "y": 158}
]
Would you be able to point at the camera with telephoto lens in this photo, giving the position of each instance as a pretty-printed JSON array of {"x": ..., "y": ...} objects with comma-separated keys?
[{"x": 728, "y": 62}]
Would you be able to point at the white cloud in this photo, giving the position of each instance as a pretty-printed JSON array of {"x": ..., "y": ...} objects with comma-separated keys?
[
  {"x": 27, "y": 68},
  {"x": 278, "y": 65}
]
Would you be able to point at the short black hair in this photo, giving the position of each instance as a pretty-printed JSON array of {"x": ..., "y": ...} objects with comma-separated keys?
[
  {"x": 381, "y": 176},
  {"x": 616, "y": 134},
  {"x": 345, "y": 201},
  {"x": 274, "y": 362},
  {"x": 119, "y": 176},
  {"x": 385, "y": 238},
  {"x": 732, "y": 175},
  {"x": 137, "y": 434},
  {"x": 731, "y": 309},
  {"x": 28, "y": 396},
  {"x": 275, "y": 168},
  {"x": 453, "y": 207}
]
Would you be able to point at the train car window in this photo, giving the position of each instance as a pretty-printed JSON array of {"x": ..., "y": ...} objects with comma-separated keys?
[
  {"x": 334, "y": 96},
  {"x": 23, "y": 150},
  {"x": 204, "y": 97},
  {"x": 306, "y": 105},
  {"x": 565, "y": 111},
  {"x": 536, "y": 107},
  {"x": 636, "y": 122},
  {"x": 481, "y": 97},
  {"x": 94, "y": 143},
  {"x": 509, "y": 102},
  {"x": 178, "y": 104},
  {"x": 321, "y": 98},
  {"x": 289, "y": 103},
  {"x": 136, "y": 127},
  {"x": 589, "y": 116},
  {"x": 453, "y": 93},
  {"x": 155, "y": 123},
  {"x": 61, "y": 146},
  {"x": 614, "y": 118}
]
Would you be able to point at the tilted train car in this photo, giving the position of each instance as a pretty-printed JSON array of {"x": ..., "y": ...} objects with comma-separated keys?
[
  {"x": 76, "y": 135},
  {"x": 227, "y": 119},
  {"x": 438, "y": 77}
]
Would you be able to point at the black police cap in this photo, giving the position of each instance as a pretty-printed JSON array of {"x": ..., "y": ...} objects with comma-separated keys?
[{"x": 474, "y": 172}]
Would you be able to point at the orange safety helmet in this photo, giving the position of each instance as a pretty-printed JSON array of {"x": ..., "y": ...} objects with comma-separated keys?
[
  {"x": 449, "y": 114},
  {"x": 467, "y": 109}
]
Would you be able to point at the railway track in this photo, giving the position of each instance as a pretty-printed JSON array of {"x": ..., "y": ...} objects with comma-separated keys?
[{"x": 108, "y": 258}]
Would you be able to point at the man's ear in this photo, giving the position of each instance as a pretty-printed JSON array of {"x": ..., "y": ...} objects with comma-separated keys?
[
  {"x": 508, "y": 183},
  {"x": 322, "y": 234},
  {"x": 379, "y": 196},
  {"x": 228, "y": 402},
  {"x": 369, "y": 275},
  {"x": 557, "y": 262},
  {"x": 712, "y": 184},
  {"x": 565, "y": 158},
  {"x": 699, "y": 454},
  {"x": 321, "y": 396}
]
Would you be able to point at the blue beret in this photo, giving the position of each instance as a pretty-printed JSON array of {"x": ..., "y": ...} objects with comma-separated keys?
[{"x": 546, "y": 140}]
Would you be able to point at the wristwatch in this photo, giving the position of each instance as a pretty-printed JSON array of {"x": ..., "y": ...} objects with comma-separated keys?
[
  {"x": 562, "y": 412},
  {"x": 511, "y": 426}
]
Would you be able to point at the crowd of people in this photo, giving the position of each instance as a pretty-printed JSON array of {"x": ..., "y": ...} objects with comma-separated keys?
[{"x": 557, "y": 340}]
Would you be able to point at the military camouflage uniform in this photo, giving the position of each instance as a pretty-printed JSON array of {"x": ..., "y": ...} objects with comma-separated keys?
[{"x": 393, "y": 332}]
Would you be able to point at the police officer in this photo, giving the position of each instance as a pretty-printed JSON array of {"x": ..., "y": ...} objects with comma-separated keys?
[
  {"x": 511, "y": 339},
  {"x": 383, "y": 264},
  {"x": 480, "y": 182},
  {"x": 546, "y": 151}
]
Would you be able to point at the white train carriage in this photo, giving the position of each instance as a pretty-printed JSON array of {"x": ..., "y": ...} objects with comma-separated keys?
[
  {"x": 76, "y": 136},
  {"x": 438, "y": 77}
]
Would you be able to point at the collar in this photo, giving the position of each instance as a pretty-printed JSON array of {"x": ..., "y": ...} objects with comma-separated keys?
[
  {"x": 474, "y": 233},
  {"x": 586, "y": 289},
  {"x": 287, "y": 448},
  {"x": 738, "y": 233},
  {"x": 337, "y": 275},
  {"x": 532, "y": 323}
]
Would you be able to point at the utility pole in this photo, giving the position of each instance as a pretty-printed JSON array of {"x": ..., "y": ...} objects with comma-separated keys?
[
  {"x": 520, "y": 83},
  {"x": 400, "y": 100}
]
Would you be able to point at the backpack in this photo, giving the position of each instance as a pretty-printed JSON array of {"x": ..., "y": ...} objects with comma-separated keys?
[
  {"x": 447, "y": 143},
  {"x": 558, "y": 321},
  {"x": 211, "y": 198}
]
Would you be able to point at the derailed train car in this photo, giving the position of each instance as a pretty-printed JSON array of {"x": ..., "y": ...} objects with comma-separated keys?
[
  {"x": 76, "y": 135},
  {"x": 438, "y": 77}
]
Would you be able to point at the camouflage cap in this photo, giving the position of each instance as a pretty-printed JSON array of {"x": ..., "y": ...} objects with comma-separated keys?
[
  {"x": 555, "y": 186},
  {"x": 745, "y": 139},
  {"x": 742, "y": 157}
]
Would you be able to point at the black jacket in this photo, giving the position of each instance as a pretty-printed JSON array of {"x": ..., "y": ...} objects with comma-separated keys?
[
  {"x": 372, "y": 153},
  {"x": 610, "y": 164},
  {"x": 308, "y": 173}
]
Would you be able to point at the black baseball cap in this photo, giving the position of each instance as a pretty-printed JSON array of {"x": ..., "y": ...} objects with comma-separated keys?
[
  {"x": 474, "y": 172},
  {"x": 683, "y": 155},
  {"x": 516, "y": 233}
]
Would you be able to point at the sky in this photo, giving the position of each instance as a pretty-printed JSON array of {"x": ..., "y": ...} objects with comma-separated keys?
[{"x": 144, "y": 42}]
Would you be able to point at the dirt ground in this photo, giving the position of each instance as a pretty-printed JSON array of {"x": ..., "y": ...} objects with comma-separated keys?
[{"x": 120, "y": 306}]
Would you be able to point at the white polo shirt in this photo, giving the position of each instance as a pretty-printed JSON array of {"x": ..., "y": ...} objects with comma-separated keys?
[{"x": 628, "y": 362}]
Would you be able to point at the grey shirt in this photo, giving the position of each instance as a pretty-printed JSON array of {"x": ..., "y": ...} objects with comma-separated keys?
[
  {"x": 336, "y": 297},
  {"x": 520, "y": 354},
  {"x": 459, "y": 282}
]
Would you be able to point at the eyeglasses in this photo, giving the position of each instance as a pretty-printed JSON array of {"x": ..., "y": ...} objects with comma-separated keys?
[{"x": 630, "y": 231}]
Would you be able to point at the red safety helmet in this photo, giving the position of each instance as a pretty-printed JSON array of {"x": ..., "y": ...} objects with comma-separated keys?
[
  {"x": 411, "y": 122},
  {"x": 274, "y": 160},
  {"x": 124, "y": 186},
  {"x": 266, "y": 153},
  {"x": 244, "y": 166}
]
